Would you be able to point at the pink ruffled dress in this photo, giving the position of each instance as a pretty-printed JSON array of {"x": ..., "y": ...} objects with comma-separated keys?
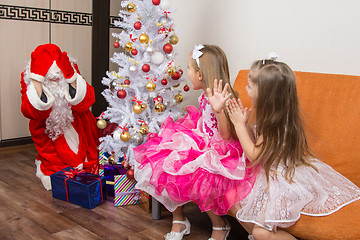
[{"x": 189, "y": 161}]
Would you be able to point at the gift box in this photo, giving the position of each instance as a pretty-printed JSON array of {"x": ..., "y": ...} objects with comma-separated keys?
[
  {"x": 103, "y": 160},
  {"x": 78, "y": 187},
  {"x": 125, "y": 194},
  {"x": 110, "y": 171},
  {"x": 145, "y": 201}
]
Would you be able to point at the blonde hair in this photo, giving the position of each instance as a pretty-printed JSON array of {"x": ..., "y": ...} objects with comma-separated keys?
[
  {"x": 278, "y": 118},
  {"x": 214, "y": 65}
]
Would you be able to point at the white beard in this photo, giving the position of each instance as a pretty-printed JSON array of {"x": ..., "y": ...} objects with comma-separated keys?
[{"x": 61, "y": 115}]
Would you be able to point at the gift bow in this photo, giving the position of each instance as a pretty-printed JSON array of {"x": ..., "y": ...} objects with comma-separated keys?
[
  {"x": 196, "y": 53},
  {"x": 72, "y": 173}
]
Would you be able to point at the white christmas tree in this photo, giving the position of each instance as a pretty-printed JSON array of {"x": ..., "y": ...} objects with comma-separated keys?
[{"x": 146, "y": 88}]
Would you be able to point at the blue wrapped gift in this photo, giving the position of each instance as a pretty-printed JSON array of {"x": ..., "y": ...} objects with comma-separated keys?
[{"x": 80, "y": 188}]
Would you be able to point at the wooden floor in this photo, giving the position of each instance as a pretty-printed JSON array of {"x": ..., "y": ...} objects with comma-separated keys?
[{"x": 28, "y": 211}]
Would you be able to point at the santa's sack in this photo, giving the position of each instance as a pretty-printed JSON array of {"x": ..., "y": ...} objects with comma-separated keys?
[{"x": 79, "y": 187}]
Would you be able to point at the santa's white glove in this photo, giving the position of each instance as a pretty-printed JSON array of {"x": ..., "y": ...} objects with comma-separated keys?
[{"x": 80, "y": 166}]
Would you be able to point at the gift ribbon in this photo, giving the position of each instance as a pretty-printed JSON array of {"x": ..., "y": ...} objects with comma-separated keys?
[
  {"x": 101, "y": 116},
  {"x": 71, "y": 174},
  {"x": 142, "y": 122},
  {"x": 110, "y": 182},
  {"x": 145, "y": 194},
  {"x": 120, "y": 194},
  {"x": 170, "y": 63},
  {"x": 132, "y": 39},
  {"x": 136, "y": 100},
  {"x": 166, "y": 13}
]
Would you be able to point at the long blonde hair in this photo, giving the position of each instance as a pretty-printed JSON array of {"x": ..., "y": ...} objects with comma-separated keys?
[
  {"x": 278, "y": 118},
  {"x": 214, "y": 65}
]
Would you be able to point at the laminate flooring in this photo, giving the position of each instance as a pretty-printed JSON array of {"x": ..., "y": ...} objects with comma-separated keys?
[{"x": 28, "y": 211}]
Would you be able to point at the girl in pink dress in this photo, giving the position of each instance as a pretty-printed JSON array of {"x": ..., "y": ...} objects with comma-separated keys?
[
  {"x": 291, "y": 181},
  {"x": 198, "y": 157}
]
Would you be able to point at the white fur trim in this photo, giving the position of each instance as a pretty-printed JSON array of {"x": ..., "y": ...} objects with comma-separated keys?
[
  {"x": 80, "y": 166},
  {"x": 45, "y": 180},
  {"x": 37, "y": 77},
  {"x": 35, "y": 99},
  {"x": 80, "y": 91},
  {"x": 54, "y": 69},
  {"x": 72, "y": 138}
]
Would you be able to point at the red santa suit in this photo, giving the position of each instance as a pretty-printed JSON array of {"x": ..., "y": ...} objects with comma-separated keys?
[{"x": 75, "y": 145}]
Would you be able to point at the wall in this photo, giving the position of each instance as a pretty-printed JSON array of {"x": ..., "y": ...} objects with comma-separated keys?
[
  {"x": 21, "y": 38},
  {"x": 314, "y": 36}
]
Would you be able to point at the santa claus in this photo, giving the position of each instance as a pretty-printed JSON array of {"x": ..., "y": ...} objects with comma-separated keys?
[{"x": 56, "y": 99}]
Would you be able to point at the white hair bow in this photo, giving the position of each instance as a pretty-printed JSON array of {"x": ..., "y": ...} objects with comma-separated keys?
[
  {"x": 271, "y": 56},
  {"x": 196, "y": 53}
]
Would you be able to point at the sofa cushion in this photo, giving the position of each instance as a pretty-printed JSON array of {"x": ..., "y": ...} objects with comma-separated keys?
[{"x": 330, "y": 106}]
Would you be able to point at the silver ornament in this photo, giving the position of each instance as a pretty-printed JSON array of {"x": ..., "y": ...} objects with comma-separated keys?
[
  {"x": 165, "y": 4},
  {"x": 163, "y": 20},
  {"x": 117, "y": 134},
  {"x": 150, "y": 49},
  {"x": 137, "y": 138},
  {"x": 132, "y": 68},
  {"x": 157, "y": 58},
  {"x": 113, "y": 84}
]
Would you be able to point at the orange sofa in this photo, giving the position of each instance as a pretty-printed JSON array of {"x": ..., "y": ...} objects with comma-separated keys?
[{"x": 330, "y": 107}]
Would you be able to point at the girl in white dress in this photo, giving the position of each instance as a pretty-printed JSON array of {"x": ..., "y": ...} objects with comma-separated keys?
[{"x": 290, "y": 181}]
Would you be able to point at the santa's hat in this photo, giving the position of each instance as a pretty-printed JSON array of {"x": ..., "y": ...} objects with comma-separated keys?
[{"x": 46, "y": 56}]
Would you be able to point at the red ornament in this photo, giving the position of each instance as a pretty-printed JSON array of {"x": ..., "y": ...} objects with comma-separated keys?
[
  {"x": 134, "y": 52},
  {"x": 146, "y": 67},
  {"x": 156, "y": 2},
  {"x": 158, "y": 99},
  {"x": 181, "y": 72},
  {"x": 137, "y": 25},
  {"x": 186, "y": 88},
  {"x": 168, "y": 48},
  {"x": 130, "y": 174},
  {"x": 176, "y": 76},
  {"x": 116, "y": 44},
  {"x": 127, "y": 82},
  {"x": 121, "y": 93},
  {"x": 164, "y": 81}
]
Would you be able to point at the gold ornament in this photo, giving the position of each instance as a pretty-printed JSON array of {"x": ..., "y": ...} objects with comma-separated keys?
[
  {"x": 128, "y": 46},
  {"x": 174, "y": 39},
  {"x": 143, "y": 106},
  {"x": 143, "y": 38},
  {"x": 150, "y": 86},
  {"x": 170, "y": 71},
  {"x": 144, "y": 129},
  {"x": 137, "y": 108},
  {"x": 177, "y": 85},
  {"x": 131, "y": 7},
  {"x": 178, "y": 98},
  {"x": 125, "y": 136},
  {"x": 101, "y": 123},
  {"x": 159, "y": 107},
  {"x": 111, "y": 160}
]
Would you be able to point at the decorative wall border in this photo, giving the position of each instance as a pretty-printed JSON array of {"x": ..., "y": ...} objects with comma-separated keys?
[
  {"x": 49, "y": 15},
  {"x": 113, "y": 19}
]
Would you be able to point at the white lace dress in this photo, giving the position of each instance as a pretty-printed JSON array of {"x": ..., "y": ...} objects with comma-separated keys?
[{"x": 312, "y": 193}]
